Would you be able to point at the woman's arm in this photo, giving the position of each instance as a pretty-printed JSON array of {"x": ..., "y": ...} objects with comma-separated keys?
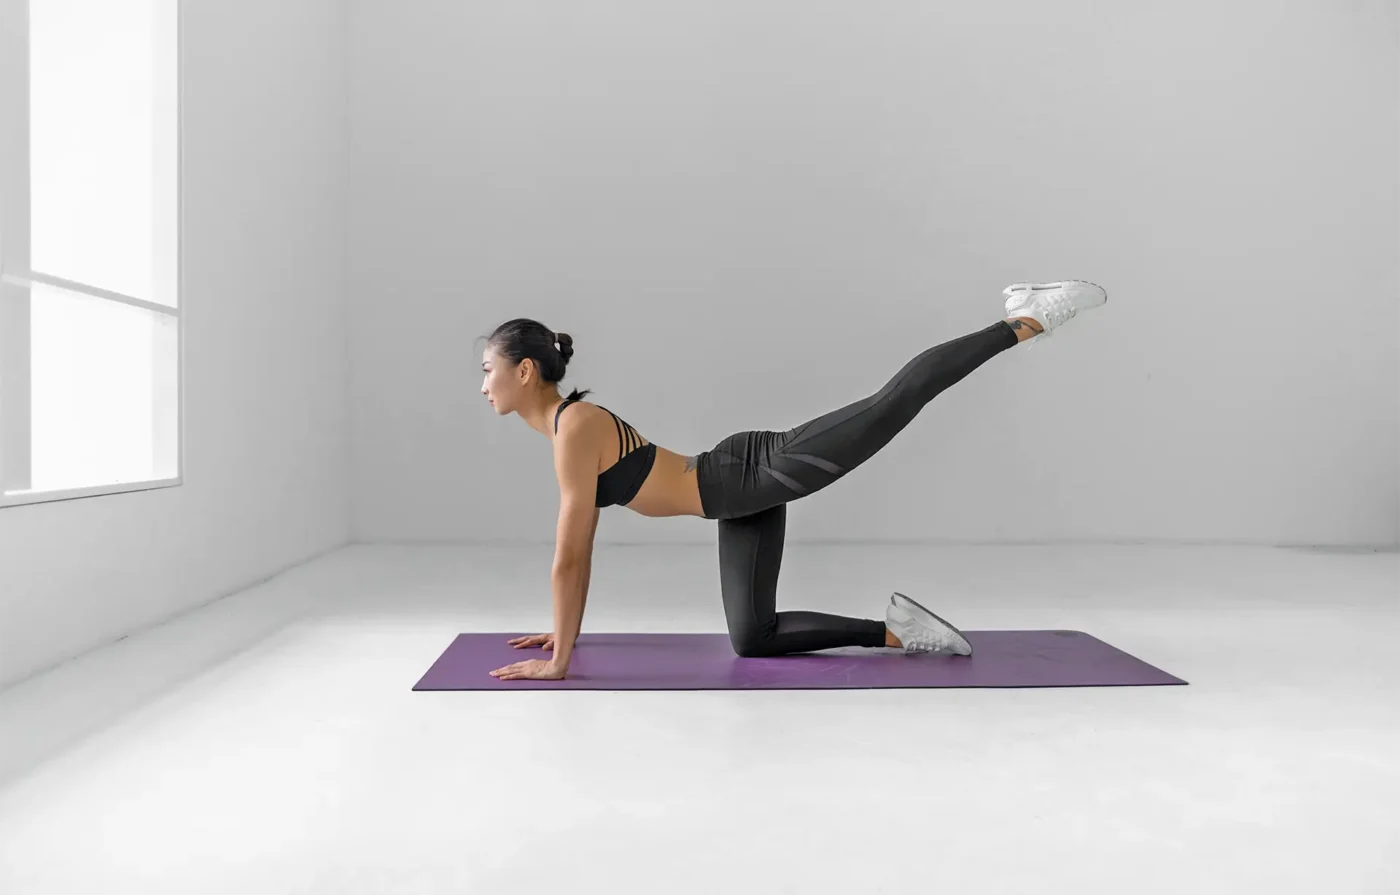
[
  {"x": 575, "y": 463},
  {"x": 588, "y": 563}
]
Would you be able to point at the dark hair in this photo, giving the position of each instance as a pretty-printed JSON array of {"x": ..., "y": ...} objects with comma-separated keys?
[{"x": 522, "y": 337}]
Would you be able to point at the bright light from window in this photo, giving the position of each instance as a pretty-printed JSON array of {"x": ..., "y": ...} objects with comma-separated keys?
[
  {"x": 101, "y": 391},
  {"x": 89, "y": 267},
  {"x": 92, "y": 130}
]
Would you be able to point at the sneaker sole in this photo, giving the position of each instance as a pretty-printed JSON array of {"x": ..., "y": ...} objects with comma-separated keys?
[{"x": 913, "y": 602}]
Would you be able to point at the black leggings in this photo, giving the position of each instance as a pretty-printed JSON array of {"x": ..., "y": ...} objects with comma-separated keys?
[{"x": 747, "y": 480}]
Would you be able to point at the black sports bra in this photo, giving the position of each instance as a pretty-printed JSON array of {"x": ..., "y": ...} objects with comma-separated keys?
[{"x": 620, "y": 482}]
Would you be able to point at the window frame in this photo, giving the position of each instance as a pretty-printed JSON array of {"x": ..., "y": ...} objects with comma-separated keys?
[{"x": 16, "y": 275}]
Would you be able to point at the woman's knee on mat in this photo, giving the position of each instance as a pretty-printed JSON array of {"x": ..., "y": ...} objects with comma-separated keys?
[{"x": 754, "y": 643}]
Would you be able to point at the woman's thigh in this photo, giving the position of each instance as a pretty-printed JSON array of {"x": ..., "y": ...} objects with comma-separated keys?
[{"x": 750, "y": 557}]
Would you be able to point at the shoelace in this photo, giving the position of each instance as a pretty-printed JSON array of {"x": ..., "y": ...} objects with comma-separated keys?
[
  {"x": 926, "y": 643},
  {"x": 1058, "y": 307}
]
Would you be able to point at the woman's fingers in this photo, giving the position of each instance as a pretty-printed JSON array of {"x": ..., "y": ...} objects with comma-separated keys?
[{"x": 545, "y": 640}]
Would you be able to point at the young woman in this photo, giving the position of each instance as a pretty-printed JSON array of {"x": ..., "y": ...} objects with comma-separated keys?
[{"x": 745, "y": 482}]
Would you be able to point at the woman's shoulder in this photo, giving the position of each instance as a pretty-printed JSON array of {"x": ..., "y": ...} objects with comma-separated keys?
[
  {"x": 592, "y": 409},
  {"x": 587, "y": 417}
]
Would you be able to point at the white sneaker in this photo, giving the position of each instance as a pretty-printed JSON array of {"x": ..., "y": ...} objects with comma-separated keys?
[
  {"x": 921, "y": 631},
  {"x": 1051, "y": 304}
]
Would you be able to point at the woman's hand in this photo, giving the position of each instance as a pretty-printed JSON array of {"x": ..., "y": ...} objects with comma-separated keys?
[
  {"x": 531, "y": 670},
  {"x": 533, "y": 640}
]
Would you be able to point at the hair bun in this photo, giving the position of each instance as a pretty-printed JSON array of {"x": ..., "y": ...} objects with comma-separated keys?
[{"x": 566, "y": 344}]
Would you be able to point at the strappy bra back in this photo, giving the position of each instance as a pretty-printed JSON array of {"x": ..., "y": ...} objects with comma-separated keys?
[{"x": 619, "y": 483}]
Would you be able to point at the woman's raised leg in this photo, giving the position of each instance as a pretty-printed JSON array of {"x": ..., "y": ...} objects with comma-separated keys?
[{"x": 754, "y": 470}]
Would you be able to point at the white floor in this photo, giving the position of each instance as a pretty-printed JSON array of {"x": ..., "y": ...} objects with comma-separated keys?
[{"x": 271, "y": 742}]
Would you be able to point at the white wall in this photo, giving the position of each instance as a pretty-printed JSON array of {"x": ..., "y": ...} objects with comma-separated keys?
[
  {"x": 750, "y": 213},
  {"x": 266, "y": 361}
]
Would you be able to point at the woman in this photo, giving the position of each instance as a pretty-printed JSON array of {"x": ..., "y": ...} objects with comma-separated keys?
[{"x": 745, "y": 482}]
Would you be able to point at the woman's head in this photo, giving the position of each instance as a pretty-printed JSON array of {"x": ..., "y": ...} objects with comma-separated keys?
[{"x": 523, "y": 363}]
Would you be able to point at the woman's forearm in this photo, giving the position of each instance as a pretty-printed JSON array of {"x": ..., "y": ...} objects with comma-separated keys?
[
  {"x": 587, "y": 574},
  {"x": 583, "y": 607},
  {"x": 570, "y": 585}
]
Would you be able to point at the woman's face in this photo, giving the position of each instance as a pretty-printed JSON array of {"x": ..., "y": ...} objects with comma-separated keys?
[{"x": 499, "y": 382}]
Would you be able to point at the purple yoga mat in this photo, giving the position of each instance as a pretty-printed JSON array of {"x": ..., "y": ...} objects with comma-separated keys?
[{"x": 708, "y": 662}]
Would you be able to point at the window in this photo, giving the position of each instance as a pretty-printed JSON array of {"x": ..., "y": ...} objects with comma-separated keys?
[{"x": 90, "y": 318}]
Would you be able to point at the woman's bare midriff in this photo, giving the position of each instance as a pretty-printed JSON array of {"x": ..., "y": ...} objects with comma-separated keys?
[{"x": 670, "y": 489}]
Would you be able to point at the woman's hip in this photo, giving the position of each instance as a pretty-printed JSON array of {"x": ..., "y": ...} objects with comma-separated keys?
[{"x": 749, "y": 472}]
